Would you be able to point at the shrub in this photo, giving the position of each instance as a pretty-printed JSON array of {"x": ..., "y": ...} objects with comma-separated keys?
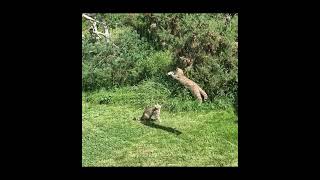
[
  {"x": 156, "y": 64},
  {"x": 108, "y": 65},
  {"x": 209, "y": 39}
]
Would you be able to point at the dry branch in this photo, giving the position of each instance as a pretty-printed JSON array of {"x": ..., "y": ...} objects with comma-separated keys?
[{"x": 94, "y": 22}]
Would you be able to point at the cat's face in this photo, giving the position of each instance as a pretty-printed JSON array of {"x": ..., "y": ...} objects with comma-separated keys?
[
  {"x": 177, "y": 72},
  {"x": 157, "y": 107}
]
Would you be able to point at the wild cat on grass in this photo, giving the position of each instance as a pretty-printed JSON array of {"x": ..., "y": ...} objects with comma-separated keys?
[{"x": 151, "y": 114}]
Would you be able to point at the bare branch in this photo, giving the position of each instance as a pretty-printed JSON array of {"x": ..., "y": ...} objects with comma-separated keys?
[
  {"x": 88, "y": 17},
  {"x": 94, "y": 22}
]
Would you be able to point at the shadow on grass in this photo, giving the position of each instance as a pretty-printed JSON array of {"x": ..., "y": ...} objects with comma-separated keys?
[{"x": 165, "y": 128}]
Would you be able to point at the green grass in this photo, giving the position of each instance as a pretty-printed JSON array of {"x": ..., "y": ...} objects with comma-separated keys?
[{"x": 110, "y": 137}]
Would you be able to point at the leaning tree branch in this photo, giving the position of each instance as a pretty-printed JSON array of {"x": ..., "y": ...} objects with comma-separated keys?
[
  {"x": 94, "y": 22},
  {"x": 88, "y": 17}
]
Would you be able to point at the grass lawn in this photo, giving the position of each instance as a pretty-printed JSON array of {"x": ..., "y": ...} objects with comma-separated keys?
[{"x": 110, "y": 137}]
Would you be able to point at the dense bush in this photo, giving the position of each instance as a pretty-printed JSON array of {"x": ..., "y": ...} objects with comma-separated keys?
[
  {"x": 146, "y": 46},
  {"x": 113, "y": 64},
  {"x": 210, "y": 40}
]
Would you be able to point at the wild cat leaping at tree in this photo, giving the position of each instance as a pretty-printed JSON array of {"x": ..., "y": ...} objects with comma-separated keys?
[{"x": 195, "y": 89}]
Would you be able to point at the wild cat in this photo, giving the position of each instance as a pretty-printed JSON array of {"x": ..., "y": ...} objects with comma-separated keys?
[
  {"x": 195, "y": 89},
  {"x": 151, "y": 114}
]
